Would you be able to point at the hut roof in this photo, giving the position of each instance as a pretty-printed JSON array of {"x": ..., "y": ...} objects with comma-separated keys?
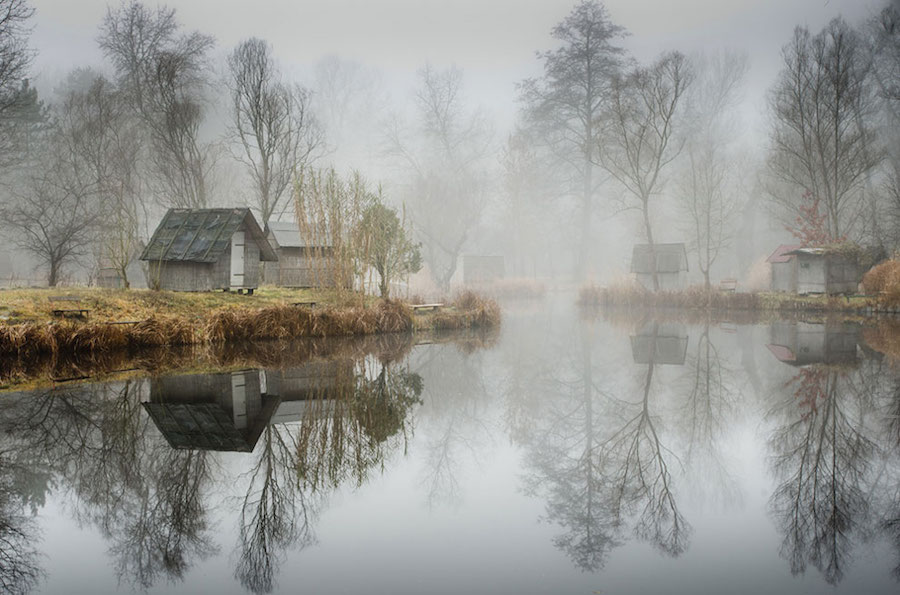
[
  {"x": 202, "y": 235},
  {"x": 783, "y": 253},
  {"x": 287, "y": 235},
  {"x": 670, "y": 258}
]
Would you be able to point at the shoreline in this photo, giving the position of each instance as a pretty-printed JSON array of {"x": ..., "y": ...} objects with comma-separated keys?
[
  {"x": 216, "y": 319},
  {"x": 758, "y": 303}
]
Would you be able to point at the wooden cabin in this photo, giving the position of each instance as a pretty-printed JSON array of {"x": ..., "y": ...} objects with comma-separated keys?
[
  {"x": 825, "y": 270},
  {"x": 225, "y": 412},
  {"x": 303, "y": 261},
  {"x": 783, "y": 267},
  {"x": 671, "y": 265},
  {"x": 207, "y": 249},
  {"x": 482, "y": 268}
]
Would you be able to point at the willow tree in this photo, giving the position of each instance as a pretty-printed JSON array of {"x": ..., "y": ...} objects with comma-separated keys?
[{"x": 563, "y": 106}]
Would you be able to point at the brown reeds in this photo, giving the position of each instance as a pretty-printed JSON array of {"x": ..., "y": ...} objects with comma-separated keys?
[
  {"x": 234, "y": 325},
  {"x": 883, "y": 280}
]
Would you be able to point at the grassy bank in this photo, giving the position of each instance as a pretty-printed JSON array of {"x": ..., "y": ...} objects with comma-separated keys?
[
  {"x": 162, "y": 319},
  {"x": 699, "y": 299}
]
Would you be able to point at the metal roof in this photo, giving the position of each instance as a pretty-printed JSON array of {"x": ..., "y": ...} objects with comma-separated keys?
[
  {"x": 287, "y": 235},
  {"x": 783, "y": 253},
  {"x": 203, "y": 235},
  {"x": 670, "y": 258}
]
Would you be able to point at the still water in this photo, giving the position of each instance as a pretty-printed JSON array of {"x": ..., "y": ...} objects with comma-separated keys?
[{"x": 566, "y": 455}]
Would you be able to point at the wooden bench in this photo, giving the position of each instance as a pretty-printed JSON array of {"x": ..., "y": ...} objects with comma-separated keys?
[
  {"x": 308, "y": 304},
  {"x": 68, "y": 312},
  {"x": 729, "y": 285},
  {"x": 71, "y": 312},
  {"x": 423, "y": 307}
]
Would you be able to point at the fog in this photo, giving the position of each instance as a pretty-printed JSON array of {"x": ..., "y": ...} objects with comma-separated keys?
[{"x": 362, "y": 65}]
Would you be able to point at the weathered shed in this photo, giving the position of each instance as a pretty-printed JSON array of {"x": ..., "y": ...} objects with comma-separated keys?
[
  {"x": 801, "y": 343},
  {"x": 671, "y": 265},
  {"x": 225, "y": 412},
  {"x": 660, "y": 343},
  {"x": 206, "y": 249},
  {"x": 304, "y": 260},
  {"x": 783, "y": 265},
  {"x": 826, "y": 270},
  {"x": 482, "y": 268}
]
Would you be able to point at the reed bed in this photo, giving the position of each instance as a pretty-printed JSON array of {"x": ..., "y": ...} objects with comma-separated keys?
[
  {"x": 467, "y": 310},
  {"x": 29, "y": 340},
  {"x": 697, "y": 298}
]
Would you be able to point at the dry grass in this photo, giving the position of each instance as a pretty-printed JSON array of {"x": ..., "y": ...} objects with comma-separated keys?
[
  {"x": 467, "y": 310},
  {"x": 697, "y": 298},
  {"x": 210, "y": 319}
]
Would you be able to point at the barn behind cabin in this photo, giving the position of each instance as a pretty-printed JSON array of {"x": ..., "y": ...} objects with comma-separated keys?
[{"x": 304, "y": 260}]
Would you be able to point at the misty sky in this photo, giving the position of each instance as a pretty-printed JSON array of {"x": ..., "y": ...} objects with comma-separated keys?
[{"x": 493, "y": 41}]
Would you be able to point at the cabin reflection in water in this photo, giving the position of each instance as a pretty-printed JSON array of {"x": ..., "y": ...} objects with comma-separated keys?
[
  {"x": 228, "y": 412},
  {"x": 660, "y": 343},
  {"x": 802, "y": 343},
  {"x": 224, "y": 412}
]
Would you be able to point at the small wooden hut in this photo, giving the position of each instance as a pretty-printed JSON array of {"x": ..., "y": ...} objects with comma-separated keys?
[
  {"x": 826, "y": 270},
  {"x": 207, "y": 249},
  {"x": 302, "y": 261},
  {"x": 783, "y": 266},
  {"x": 671, "y": 265}
]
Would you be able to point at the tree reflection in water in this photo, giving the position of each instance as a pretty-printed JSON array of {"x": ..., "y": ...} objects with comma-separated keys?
[
  {"x": 22, "y": 490},
  {"x": 349, "y": 425}
]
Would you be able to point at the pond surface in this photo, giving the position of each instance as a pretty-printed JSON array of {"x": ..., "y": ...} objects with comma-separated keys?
[{"x": 624, "y": 455}]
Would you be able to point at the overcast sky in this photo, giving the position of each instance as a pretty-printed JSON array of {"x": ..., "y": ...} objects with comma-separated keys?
[{"x": 493, "y": 41}]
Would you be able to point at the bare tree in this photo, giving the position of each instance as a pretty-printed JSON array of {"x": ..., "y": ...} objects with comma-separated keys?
[
  {"x": 162, "y": 70},
  {"x": 639, "y": 140},
  {"x": 15, "y": 57},
  {"x": 822, "y": 135},
  {"x": 447, "y": 184},
  {"x": 109, "y": 147},
  {"x": 271, "y": 123},
  {"x": 708, "y": 188},
  {"x": 53, "y": 214},
  {"x": 564, "y": 105}
]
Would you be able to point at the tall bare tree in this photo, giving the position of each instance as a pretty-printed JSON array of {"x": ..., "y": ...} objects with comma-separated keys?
[
  {"x": 709, "y": 185},
  {"x": 53, "y": 212},
  {"x": 445, "y": 171},
  {"x": 271, "y": 123},
  {"x": 822, "y": 136},
  {"x": 15, "y": 57},
  {"x": 109, "y": 148},
  {"x": 563, "y": 106},
  {"x": 162, "y": 70},
  {"x": 639, "y": 141}
]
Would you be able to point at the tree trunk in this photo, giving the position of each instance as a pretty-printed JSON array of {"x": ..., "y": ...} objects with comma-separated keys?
[
  {"x": 649, "y": 231},
  {"x": 586, "y": 211}
]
